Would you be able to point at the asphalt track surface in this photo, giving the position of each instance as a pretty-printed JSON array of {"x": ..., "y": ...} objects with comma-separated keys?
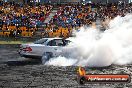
[{"x": 17, "y": 72}]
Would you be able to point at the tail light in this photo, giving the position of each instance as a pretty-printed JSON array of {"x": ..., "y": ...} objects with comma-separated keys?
[{"x": 29, "y": 49}]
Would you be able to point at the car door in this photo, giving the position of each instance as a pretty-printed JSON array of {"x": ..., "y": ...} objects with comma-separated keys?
[
  {"x": 38, "y": 47},
  {"x": 67, "y": 50},
  {"x": 55, "y": 46}
]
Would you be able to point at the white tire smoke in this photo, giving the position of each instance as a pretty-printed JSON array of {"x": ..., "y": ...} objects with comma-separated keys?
[{"x": 113, "y": 46}]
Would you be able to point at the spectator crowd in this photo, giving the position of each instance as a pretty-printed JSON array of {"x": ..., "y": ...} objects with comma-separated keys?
[
  {"x": 21, "y": 19},
  {"x": 25, "y": 20}
]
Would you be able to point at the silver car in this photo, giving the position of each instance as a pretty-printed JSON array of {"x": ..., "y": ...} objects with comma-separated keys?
[{"x": 44, "y": 48}]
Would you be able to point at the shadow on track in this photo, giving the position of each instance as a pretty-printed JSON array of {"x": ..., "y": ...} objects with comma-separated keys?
[{"x": 22, "y": 63}]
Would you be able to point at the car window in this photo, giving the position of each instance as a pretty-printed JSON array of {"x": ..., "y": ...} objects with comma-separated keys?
[
  {"x": 66, "y": 42},
  {"x": 59, "y": 43},
  {"x": 41, "y": 41},
  {"x": 56, "y": 42},
  {"x": 51, "y": 43}
]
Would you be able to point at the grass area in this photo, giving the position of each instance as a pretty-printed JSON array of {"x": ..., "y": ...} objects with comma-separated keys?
[
  {"x": 13, "y": 42},
  {"x": 4, "y": 40}
]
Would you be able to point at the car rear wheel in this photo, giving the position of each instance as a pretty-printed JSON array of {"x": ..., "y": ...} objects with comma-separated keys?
[{"x": 46, "y": 56}]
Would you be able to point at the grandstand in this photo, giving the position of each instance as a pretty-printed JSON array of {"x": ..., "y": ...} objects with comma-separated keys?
[
  {"x": 68, "y": 1},
  {"x": 21, "y": 19}
]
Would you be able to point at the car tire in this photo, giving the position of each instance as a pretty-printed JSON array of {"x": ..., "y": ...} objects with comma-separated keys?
[{"x": 46, "y": 56}]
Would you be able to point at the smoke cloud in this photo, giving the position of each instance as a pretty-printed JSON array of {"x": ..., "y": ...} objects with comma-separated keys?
[{"x": 94, "y": 48}]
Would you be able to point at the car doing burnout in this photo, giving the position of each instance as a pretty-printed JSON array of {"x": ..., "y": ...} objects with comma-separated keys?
[{"x": 45, "y": 48}]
